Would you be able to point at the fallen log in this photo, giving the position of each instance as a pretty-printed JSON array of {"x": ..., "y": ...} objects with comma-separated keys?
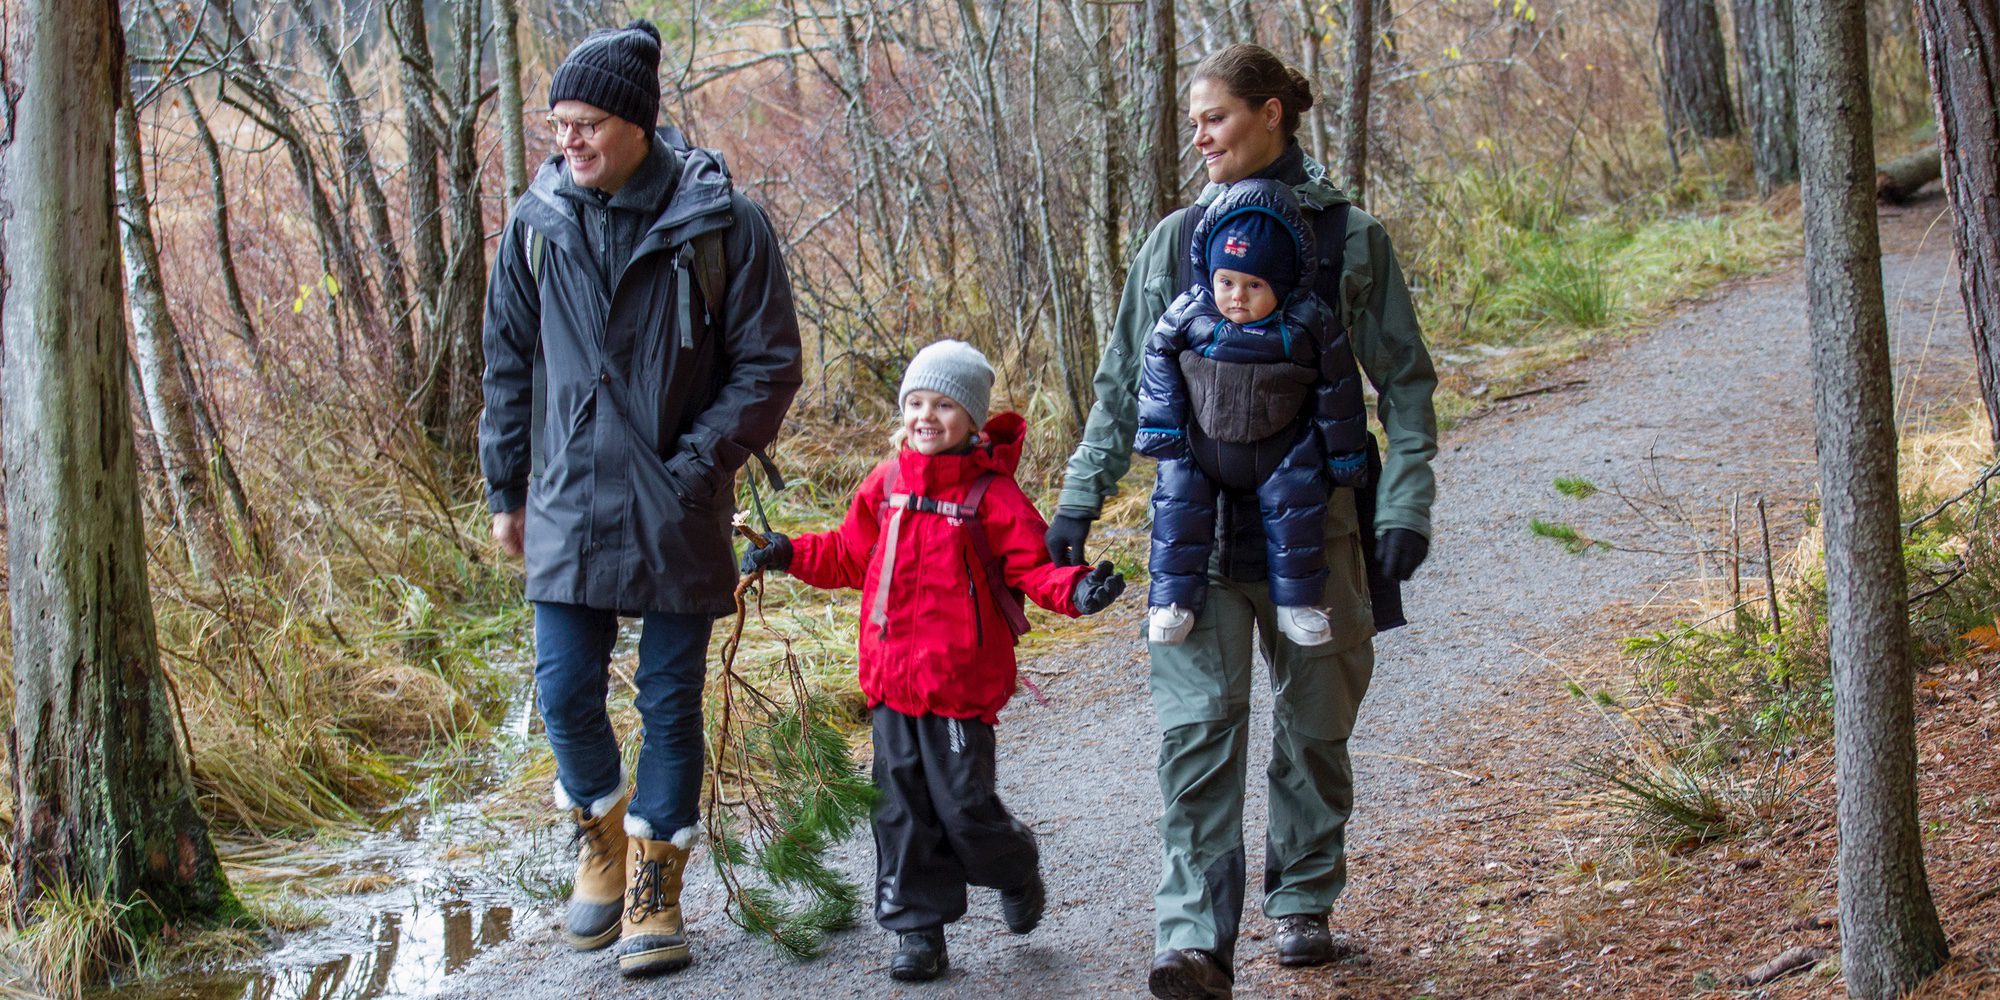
[{"x": 1897, "y": 181}]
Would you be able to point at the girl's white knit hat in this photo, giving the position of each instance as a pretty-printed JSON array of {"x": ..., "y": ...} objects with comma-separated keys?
[{"x": 956, "y": 369}]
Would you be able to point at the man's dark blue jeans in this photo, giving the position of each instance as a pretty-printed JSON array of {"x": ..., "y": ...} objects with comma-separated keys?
[{"x": 572, "y": 674}]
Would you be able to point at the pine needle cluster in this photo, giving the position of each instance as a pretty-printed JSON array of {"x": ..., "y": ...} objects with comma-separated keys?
[{"x": 784, "y": 789}]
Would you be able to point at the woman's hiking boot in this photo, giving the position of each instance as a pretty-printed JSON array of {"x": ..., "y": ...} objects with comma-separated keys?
[
  {"x": 1305, "y": 626},
  {"x": 1189, "y": 974},
  {"x": 1022, "y": 908},
  {"x": 920, "y": 956},
  {"x": 654, "y": 941},
  {"x": 1304, "y": 940},
  {"x": 597, "y": 895}
]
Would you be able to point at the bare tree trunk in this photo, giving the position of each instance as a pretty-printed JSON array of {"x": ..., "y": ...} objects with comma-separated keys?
[
  {"x": 358, "y": 166},
  {"x": 156, "y": 343},
  {"x": 1101, "y": 175},
  {"x": 1889, "y": 929},
  {"x": 1156, "y": 183},
  {"x": 1064, "y": 347},
  {"x": 1770, "y": 89},
  {"x": 513, "y": 139},
  {"x": 1310, "y": 30},
  {"x": 103, "y": 798},
  {"x": 1354, "y": 99},
  {"x": 1694, "y": 75},
  {"x": 422, "y": 126},
  {"x": 465, "y": 274},
  {"x": 1962, "y": 53}
]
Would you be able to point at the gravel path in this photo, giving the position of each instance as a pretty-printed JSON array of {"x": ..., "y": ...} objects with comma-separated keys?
[{"x": 1714, "y": 401}]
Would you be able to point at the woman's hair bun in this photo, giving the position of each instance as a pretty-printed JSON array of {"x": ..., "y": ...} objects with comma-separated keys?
[{"x": 1300, "y": 99}]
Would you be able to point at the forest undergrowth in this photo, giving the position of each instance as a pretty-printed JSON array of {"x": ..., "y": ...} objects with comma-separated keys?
[{"x": 368, "y": 632}]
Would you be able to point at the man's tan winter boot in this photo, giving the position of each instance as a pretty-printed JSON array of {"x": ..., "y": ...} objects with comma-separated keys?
[
  {"x": 597, "y": 897},
  {"x": 653, "y": 940}
]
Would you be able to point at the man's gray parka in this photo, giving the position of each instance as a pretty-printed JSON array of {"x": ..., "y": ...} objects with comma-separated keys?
[{"x": 629, "y": 492}]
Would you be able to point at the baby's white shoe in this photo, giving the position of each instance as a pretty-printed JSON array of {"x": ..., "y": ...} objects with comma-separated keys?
[
  {"x": 1305, "y": 626},
  {"x": 1169, "y": 626}
]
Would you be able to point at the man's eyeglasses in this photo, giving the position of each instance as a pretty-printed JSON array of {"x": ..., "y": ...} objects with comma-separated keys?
[{"x": 561, "y": 127}]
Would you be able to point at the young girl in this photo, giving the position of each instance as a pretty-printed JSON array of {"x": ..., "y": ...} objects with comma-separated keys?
[{"x": 943, "y": 544}]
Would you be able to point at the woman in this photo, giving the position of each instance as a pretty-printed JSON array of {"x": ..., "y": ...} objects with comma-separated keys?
[{"x": 1244, "y": 106}]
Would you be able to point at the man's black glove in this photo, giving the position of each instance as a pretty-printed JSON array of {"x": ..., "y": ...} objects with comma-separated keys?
[
  {"x": 1096, "y": 589},
  {"x": 1399, "y": 551},
  {"x": 1066, "y": 535},
  {"x": 776, "y": 554}
]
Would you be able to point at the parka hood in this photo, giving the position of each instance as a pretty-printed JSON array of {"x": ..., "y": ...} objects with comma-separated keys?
[
  {"x": 1269, "y": 197},
  {"x": 700, "y": 200},
  {"x": 998, "y": 450}
]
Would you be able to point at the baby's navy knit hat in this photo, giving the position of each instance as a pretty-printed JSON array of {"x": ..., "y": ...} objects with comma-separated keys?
[
  {"x": 956, "y": 369},
  {"x": 1258, "y": 244},
  {"x": 616, "y": 70}
]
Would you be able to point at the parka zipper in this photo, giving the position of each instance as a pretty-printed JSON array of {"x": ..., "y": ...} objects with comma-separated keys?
[{"x": 972, "y": 590}]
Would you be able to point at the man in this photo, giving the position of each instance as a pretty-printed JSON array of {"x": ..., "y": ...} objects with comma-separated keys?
[{"x": 619, "y": 405}]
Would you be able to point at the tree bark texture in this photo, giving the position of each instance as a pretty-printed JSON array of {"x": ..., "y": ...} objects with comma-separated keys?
[
  {"x": 1764, "y": 51},
  {"x": 1156, "y": 180},
  {"x": 156, "y": 346},
  {"x": 1354, "y": 99},
  {"x": 103, "y": 799},
  {"x": 1889, "y": 928},
  {"x": 1962, "y": 54},
  {"x": 1694, "y": 70},
  {"x": 357, "y": 166},
  {"x": 513, "y": 137}
]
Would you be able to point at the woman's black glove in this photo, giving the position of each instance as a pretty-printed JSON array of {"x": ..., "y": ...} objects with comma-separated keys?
[
  {"x": 776, "y": 554},
  {"x": 1066, "y": 535},
  {"x": 1096, "y": 589},
  {"x": 1399, "y": 551}
]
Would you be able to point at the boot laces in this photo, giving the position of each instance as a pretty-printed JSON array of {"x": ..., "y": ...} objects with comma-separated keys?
[
  {"x": 646, "y": 888},
  {"x": 597, "y": 837}
]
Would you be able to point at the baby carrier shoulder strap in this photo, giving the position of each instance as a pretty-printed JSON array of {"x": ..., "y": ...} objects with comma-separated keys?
[{"x": 966, "y": 511}]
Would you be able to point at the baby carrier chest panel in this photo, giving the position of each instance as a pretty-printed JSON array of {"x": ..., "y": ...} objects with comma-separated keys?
[{"x": 1240, "y": 403}]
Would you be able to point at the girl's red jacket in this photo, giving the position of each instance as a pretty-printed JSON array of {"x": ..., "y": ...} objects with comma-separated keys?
[{"x": 944, "y": 647}]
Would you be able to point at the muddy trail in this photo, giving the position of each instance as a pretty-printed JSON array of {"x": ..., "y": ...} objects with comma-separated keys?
[{"x": 1715, "y": 401}]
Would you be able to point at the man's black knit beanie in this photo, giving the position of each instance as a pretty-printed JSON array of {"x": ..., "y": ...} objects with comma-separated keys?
[{"x": 615, "y": 70}]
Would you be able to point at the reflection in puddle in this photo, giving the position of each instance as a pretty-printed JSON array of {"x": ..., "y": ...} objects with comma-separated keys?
[{"x": 407, "y": 953}]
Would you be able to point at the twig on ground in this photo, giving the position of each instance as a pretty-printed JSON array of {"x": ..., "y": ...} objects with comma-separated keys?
[
  {"x": 1978, "y": 485},
  {"x": 1540, "y": 389},
  {"x": 1419, "y": 761},
  {"x": 1789, "y": 961}
]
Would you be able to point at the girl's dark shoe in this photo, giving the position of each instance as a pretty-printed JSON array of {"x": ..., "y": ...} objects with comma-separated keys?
[
  {"x": 1022, "y": 908},
  {"x": 1188, "y": 974},
  {"x": 1303, "y": 940},
  {"x": 919, "y": 956}
]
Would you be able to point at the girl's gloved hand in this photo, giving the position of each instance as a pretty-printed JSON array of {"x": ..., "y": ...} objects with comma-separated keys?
[
  {"x": 776, "y": 554},
  {"x": 1096, "y": 589}
]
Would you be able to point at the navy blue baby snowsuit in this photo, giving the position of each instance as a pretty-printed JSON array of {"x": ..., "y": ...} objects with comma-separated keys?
[{"x": 1272, "y": 408}]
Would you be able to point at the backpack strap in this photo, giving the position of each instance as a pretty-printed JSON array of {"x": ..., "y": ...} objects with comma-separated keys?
[
  {"x": 1184, "y": 223},
  {"x": 966, "y": 511},
  {"x": 1330, "y": 240}
]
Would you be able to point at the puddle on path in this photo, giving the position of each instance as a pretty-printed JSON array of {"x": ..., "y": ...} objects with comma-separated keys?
[{"x": 410, "y": 904}]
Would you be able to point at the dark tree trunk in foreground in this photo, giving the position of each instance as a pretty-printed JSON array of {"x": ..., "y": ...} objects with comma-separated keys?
[
  {"x": 1764, "y": 50},
  {"x": 1962, "y": 52},
  {"x": 103, "y": 800},
  {"x": 1156, "y": 181},
  {"x": 1354, "y": 99},
  {"x": 1694, "y": 70},
  {"x": 1890, "y": 937}
]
